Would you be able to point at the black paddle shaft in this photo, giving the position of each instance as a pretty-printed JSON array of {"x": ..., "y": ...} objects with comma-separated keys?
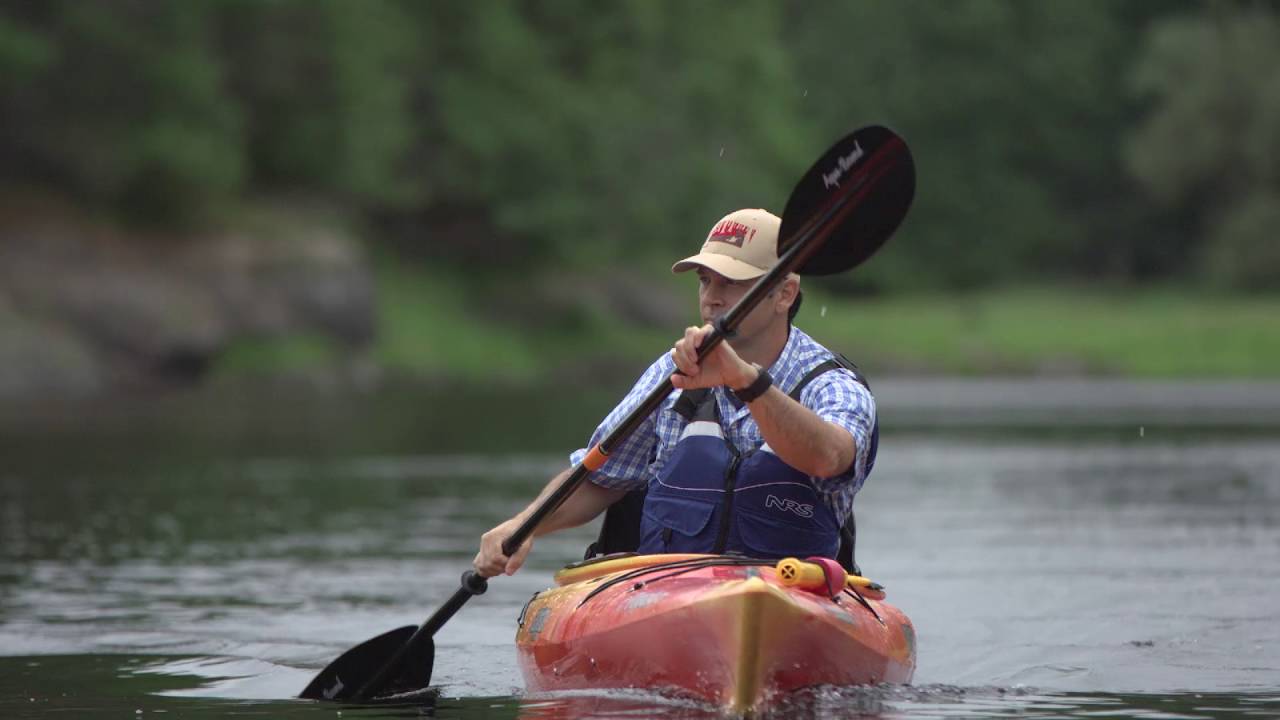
[
  {"x": 807, "y": 240},
  {"x": 871, "y": 171}
]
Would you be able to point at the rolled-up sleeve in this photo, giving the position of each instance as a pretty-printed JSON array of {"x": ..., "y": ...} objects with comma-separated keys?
[
  {"x": 840, "y": 399},
  {"x": 628, "y": 464}
]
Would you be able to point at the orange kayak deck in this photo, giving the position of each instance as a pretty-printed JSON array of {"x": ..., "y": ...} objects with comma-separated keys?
[{"x": 720, "y": 629}]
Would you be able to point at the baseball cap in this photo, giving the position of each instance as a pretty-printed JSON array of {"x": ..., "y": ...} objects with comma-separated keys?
[{"x": 741, "y": 246}]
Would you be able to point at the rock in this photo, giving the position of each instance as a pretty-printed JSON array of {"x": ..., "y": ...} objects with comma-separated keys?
[
  {"x": 89, "y": 306},
  {"x": 38, "y": 358}
]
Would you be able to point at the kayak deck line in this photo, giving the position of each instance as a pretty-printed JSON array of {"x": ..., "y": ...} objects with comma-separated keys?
[{"x": 678, "y": 567}]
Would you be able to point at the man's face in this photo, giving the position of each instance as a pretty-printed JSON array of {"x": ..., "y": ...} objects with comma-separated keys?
[{"x": 717, "y": 294}]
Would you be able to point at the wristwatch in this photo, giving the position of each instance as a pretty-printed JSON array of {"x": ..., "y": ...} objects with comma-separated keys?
[{"x": 755, "y": 389}]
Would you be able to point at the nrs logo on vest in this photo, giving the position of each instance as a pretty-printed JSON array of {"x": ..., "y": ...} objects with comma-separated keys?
[{"x": 802, "y": 509}]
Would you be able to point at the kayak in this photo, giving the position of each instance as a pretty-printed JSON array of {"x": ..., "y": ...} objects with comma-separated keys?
[{"x": 731, "y": 631}]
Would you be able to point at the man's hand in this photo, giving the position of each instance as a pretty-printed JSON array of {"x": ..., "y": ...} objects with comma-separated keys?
[
  {"x": 491, "y": 561},
  {"x": 721, "y": 367}
]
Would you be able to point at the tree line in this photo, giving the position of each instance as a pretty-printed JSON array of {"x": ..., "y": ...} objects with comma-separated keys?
[{"x": 1117, "y": 141}]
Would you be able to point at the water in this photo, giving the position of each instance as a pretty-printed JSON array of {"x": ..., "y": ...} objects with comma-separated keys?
[{"x": 205, "y": 558}]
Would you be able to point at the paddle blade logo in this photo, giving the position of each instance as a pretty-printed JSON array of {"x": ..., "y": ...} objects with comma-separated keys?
[
  {"x": 773, "y": 502},
  {"x": 849, "y": 202},
  {"x": 843, "y": 164},
  {"x": 332, "y": 692}
]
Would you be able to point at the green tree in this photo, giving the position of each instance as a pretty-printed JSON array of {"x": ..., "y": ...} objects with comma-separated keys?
[
  {"x": 1016, "y": 115},
  {"x": 325, "y": 88},
  {"x": 596, "y": 132},
  {"x": 121, "y": 103},
  {"x": 1209, "y": 148},
  {"x": 568, "y": 132}
]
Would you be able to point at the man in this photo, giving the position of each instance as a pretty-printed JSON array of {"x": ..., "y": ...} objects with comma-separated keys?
[{"x": 761, "y": 449}]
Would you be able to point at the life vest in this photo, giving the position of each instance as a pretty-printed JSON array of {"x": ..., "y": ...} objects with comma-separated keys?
[{"x": 712, "y": 498}]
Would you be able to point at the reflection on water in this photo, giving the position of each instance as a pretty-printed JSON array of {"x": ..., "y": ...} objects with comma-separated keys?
[
  {"x": 122, "y": 685},
  {"x": 206, "y": 576}
]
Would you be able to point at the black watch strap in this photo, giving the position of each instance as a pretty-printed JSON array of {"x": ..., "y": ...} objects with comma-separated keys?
[{"x": 755, "y": 389}]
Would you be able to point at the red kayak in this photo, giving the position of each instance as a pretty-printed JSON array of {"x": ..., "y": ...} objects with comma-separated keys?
[{"x": 734, "y": 632}]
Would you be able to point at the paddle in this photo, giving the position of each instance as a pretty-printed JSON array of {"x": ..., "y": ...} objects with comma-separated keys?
[{"x": 843, "y": 209}]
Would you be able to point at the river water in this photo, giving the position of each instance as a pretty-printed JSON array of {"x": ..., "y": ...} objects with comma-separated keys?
[{"x": 205, "y": 556}]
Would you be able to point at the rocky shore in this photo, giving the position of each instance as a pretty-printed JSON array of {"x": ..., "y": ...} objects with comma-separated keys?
[{"x": 89, "y": 307}]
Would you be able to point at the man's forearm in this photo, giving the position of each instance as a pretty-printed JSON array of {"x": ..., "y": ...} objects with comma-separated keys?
[
  {"x": 586, "y": 502},
  {"x": 800, "y": 438}
]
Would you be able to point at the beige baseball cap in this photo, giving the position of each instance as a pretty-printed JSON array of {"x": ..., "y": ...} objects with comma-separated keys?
[{"x": 742, "y": 246}]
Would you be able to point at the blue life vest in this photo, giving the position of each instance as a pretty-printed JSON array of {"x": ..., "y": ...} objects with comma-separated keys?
[{"x": 711, "y": 498}]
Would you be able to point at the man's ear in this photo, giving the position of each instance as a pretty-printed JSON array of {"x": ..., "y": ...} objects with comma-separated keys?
[{"x": 787, "y": 292}]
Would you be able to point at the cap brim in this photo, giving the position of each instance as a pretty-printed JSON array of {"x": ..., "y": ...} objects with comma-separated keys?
[{"x": 723, "y": 264}]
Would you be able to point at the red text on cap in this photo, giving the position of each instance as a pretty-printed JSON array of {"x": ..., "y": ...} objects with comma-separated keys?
[{"x": 734, "y": 233}]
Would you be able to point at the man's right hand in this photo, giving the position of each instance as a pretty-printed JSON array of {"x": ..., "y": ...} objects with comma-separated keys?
[{"x": 491, "y": 561}]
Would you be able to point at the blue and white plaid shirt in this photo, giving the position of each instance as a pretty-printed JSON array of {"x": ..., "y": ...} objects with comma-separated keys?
[{"x": 834, "y": 396}]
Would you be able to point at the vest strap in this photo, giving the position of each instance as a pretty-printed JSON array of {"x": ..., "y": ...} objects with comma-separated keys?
[{"x": 837, "y": 361}]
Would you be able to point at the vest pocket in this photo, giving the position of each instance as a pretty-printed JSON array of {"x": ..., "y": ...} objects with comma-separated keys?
[
  {"x": 771, "y": 538},
  {"x": 676, "y": 525}
]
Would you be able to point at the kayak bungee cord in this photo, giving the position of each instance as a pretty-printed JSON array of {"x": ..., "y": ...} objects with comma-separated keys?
[
  {"x": 864, "y": 603},
  {"x": 679, "y": 566}
]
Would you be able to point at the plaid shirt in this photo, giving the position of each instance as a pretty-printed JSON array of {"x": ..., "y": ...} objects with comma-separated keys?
[{"x": 835, "y": 396}]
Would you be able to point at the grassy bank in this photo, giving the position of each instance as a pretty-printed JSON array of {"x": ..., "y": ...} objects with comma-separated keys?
[
  {"x": 427, "y": 325},
  {"x": 438, "y": 324},
  {"x": 1141, "y": 333}
]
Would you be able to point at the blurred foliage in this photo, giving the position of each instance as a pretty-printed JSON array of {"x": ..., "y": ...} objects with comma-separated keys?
[
  {"x": 1014, "y": 112},
  {"x": 1211, "y": 144},
  {"x": 121, "y": 103},
  {"x": 1127, "y": 140}
]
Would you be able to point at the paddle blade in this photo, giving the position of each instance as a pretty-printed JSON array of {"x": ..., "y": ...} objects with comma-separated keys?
[
  {"x": 346, "y": 675},
  {"x": 851, "y": 201}
]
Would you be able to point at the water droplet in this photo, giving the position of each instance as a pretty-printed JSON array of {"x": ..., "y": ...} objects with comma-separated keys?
[
  {"x": 823, "y": 311},
  {"x": 722, "y": 152},
  {"x": 1142, "y": 431}
]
